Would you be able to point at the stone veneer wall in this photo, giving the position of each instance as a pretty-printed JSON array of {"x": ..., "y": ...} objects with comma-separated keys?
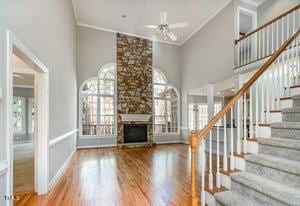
[{"x": 134, "y": 80}]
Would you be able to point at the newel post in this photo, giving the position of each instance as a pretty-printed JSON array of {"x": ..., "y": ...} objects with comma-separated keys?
[{"x": 193, "y": 142}]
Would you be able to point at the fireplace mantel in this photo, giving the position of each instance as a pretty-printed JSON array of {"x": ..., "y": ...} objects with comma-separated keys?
[{"x": 135, "y": 117}]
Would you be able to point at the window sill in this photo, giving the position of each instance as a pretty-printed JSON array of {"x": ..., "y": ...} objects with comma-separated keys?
[{"x": 97, "y": 136}]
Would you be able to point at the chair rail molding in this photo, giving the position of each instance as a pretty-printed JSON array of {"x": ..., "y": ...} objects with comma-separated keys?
[{"x": 62, "y": 137}]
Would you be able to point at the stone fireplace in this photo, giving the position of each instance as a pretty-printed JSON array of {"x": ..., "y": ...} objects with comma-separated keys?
[{"x": 134, "y": 90}]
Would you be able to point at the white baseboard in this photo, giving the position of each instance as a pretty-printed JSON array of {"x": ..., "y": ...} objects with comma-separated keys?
[
  {"x": 60, "y": 171},
  {"x": 169, "y": 142},
  {"x": 96, "y": 146}
]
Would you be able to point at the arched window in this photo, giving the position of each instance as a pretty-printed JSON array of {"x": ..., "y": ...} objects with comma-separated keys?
[
  {"x": 166, "y": 105},
  {"x": 97, "y": 103}
]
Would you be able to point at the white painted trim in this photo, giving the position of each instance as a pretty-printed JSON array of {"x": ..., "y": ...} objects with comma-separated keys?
[
  {"x": 112, "y": 136},
  {"x": 3, "y": 167},
  {"x": 207, "y": 20},
  {"x": 60, "y": 171},
  {"x": 14, "y": 46},
  {"x": 130, "y": 34},
  {"x": 253, "y": 3},
  {"x": 96, "y": 146},
  {"x": 23, "y": 86},
  {"x": 62, "y": 137},
  {"x": 169, "y": 142}
]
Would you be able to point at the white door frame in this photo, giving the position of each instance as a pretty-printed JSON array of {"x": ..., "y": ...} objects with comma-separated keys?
[{"x": 14, "y": 46}]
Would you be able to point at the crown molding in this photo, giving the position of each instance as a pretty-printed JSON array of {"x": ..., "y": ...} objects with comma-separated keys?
[
  {"x": 253, "y": 3},
  {"x": 130, "y": 34}
]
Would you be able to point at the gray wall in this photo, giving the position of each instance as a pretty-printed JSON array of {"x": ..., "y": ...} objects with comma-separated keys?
[
  {"x": 273, "y": 8},
  {"x": 48, "y": 30},
  {"x": 208, "y": 56},
  {"x": 95, "y": 48},
  {"x": 27, "y": 93}
]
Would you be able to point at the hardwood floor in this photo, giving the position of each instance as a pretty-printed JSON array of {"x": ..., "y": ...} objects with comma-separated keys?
[{"x": 134, "y": 176}]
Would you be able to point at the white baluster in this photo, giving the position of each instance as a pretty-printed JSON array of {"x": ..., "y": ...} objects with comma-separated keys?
[
  {"x": 238, "y": 142},
  {"x": 297, "y": 60},
  {"x": 267, "y": 86},
  {"x": 272, "y": 43},
  {"x": 248, "y": 49},
  {"x": 263, "y": 42},
  {"x": 245, "y": 123},
  {"x": 225, "y": 145},
  {"x": 251, "y": 113},
  {"x": 218, "y": 180},
  {"x": 203, "y": 173},
  {"x": 231, "y": 140},
  {"x": 259, "y": 43},
  {"x": 262, "y": 116},
  {"x": 268, "y": 40},
  {"x": 210, "y": 176},
  {"x": 256, "y": 110},
  {"x": 278, "y": 84}
]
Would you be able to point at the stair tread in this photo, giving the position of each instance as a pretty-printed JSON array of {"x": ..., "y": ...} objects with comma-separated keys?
[
  {"x": 275, "y": 190},
  {"x": 283, "y": 164},
  {"x": 286, "y": 125},
  {"x": 230, "y": 198},
  {"x": 281, "y": 142},
  {"x": 291, "y": 110}
]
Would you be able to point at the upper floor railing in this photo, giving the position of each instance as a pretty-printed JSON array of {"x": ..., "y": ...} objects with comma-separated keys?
[{"x": 265, "y": 40}]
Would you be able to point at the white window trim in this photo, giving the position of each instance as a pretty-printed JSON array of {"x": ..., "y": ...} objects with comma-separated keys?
[
  {"x": 178, "y": 105},
  {"x": 102, "y": 136},
  {"x": 23, "y": 99},
  {"x": 29, "y": 115}
]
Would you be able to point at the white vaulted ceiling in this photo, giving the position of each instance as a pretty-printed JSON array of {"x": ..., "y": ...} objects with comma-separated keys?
[{"x": 107, "y": 15}]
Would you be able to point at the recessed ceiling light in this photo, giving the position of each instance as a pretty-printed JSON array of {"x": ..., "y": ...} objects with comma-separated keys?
[
  {"x": 232, "y": 90},
  {"x": 218, "y": 92}
]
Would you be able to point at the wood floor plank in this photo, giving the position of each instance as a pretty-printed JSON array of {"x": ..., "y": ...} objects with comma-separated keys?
[{"x": 155, "y": 176}]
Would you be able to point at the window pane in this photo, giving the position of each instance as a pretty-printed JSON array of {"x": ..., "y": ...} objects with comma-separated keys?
[
  {"x": 191, "y": 117},
  {"x": 18, "y": 115},
  {"x": 91, "y": 87},
  {"x": 172, "y": 115},
  {"x": 171, "y": 93},
  {"x": 159, "y": 90},
  {"x": 160, "y": 116},
  {"x": 106, "y": 105},
  {"x": 107, "y": 124},
  {"x": 217, "y": 108},
  {"x": 89, "y": 115},
  {"x": 202, "y": 109},
  {"x": 107, "y": 87},
  {"x": 107, "y": 73},
  {"x": 159, "y": 78}
]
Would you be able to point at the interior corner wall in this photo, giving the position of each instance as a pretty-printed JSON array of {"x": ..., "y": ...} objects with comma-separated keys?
[
  {"x": 48, "y": 30},
  {"x": 207, "y": 57},
  {"x": 273, "y": 8}
]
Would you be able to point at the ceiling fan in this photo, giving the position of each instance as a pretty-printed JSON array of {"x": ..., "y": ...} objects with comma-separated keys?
[{"x": 164, "y": 28}]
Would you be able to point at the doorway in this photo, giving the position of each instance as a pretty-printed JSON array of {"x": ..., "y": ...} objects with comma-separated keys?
[
  {"x": 23, "y": 121},
  {"x": 37, "y": 123}
]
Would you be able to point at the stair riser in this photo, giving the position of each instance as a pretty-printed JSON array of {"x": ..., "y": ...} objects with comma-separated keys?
[
  {"x": 274, "y": 174},
  {"x": 254, "y": 195},
  {"x": 281, "y": 152},
  {"x": 275, "y": 117},
  {"x": 295, "y": 91},
  {"x": 289, "y": 103},
  {"x": 285, "y": 133},
  {"x": 291, "y": 117}
]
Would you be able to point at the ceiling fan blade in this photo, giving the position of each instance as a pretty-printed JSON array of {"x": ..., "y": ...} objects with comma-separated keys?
[
  {"x": 163, "y": 18},
  {"x": 150, "y": 26},
  {"x": 178, "y": 25},
  {"x": 172, "y": 36}
]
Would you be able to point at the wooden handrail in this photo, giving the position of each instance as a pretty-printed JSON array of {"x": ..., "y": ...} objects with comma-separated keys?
[
  {"x": 246, "y": 87},
  {"x": 268, "y": 23}
]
